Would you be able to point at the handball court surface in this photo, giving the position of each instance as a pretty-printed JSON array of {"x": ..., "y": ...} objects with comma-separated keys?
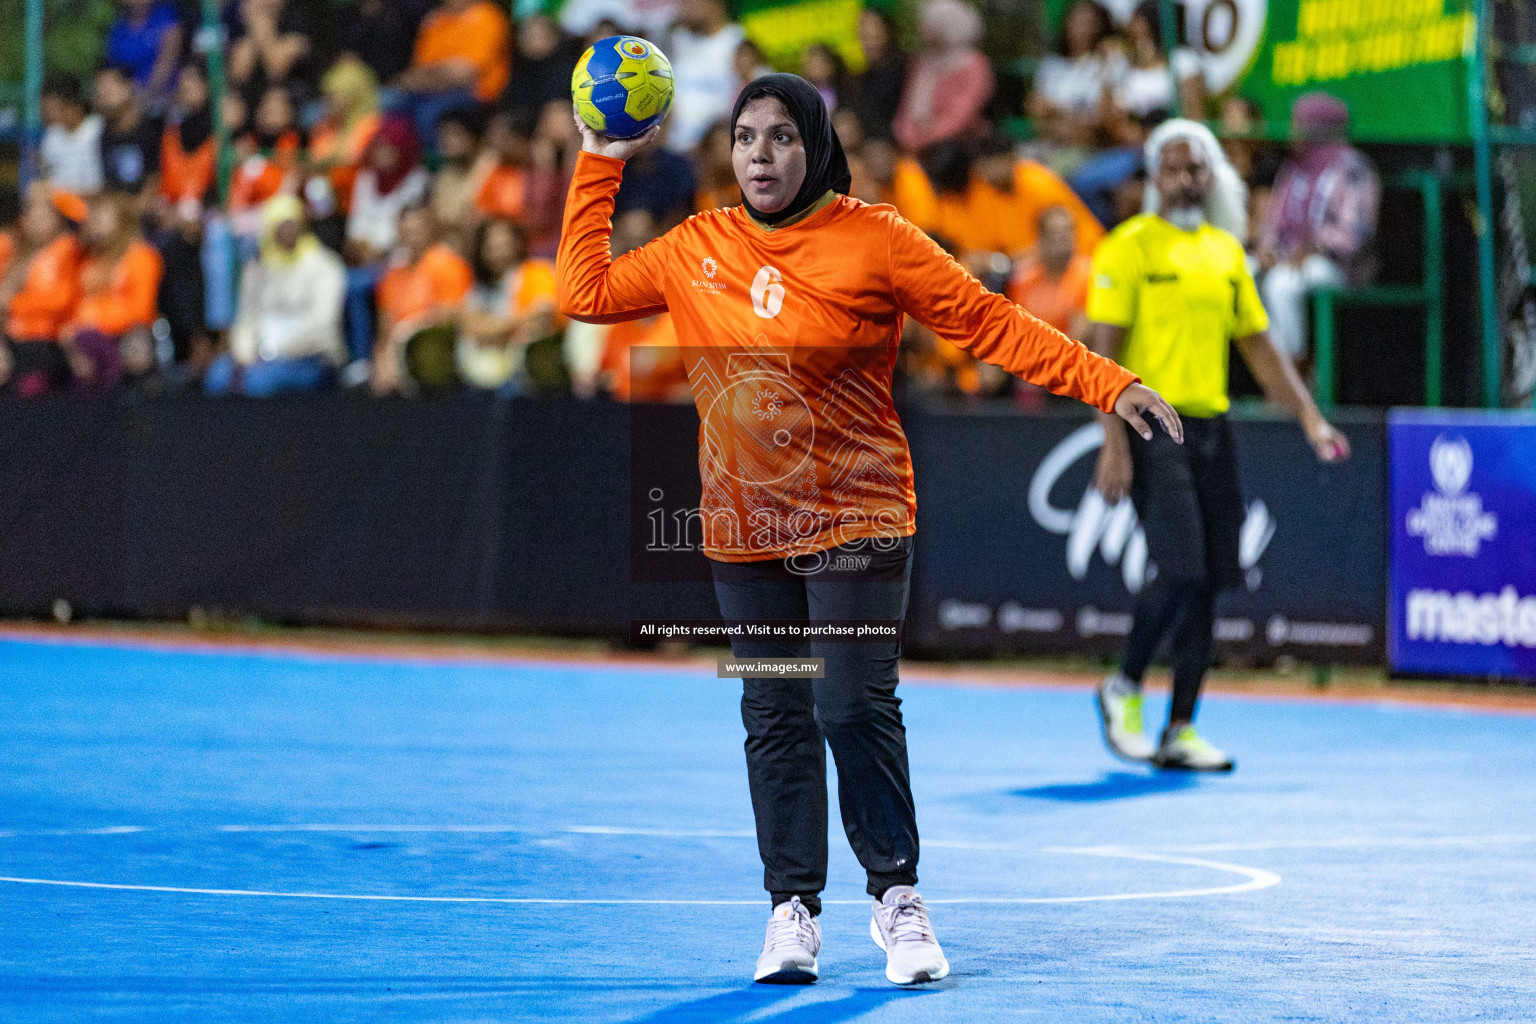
[{"x": 271, "y": 833}]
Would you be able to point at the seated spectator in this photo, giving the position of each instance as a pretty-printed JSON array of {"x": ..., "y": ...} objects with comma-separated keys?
[
  {"x": 425, "y": 288},
  {"x": 266, "y": 160},
  {"x": 546, "y": 58},
  {"x": 717, "y": 185},
  {"x": 556, "y": 144},
  {"x": 875, "y": 95},
  {"x": 660, "y": 181},
  {"x": 511, "y": 306},
  {"x": 1070, "y": 84},
  {"x": 1052, "y": 283},
  {"x": 637, "y": 360},
  {"x": 380, "y": 33},
  {"x": 71, "y": 147},
  {"x": 391, "y": 180},
  {"x": 130, "y": 137},
  {"x": 1252, "y": 156},
  {"x": 950, "y": 81},
  {"x": 270, "y": 43},
  {"x": 900, "y": 181},
  {"x": 146, "y": 41},
  {"x": 456, "y": 181},
  {"x": 337, "y": 143},
  {"x": 39, "y": 288},
  {"x": 991, "y": 202},
  {"x": 702, "y": 48},
  {"x": 119, "y": 286},
  {"x": 1133, "y": 106},
  {"x": 287, "y": 330},
  {"x": 463, "y": 58},
  {"x": 188, "y": 150},
  {"x": 595, "y": 19},
  {"x": 824, "y": 69},
  {"x": 1322, "y": 218},
  {"x": 748, "y": 63},
  {"x": 500, "y": 177}
]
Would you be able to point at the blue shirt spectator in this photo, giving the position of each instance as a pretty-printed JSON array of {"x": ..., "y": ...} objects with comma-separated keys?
[{"x": 145, "y": 40}]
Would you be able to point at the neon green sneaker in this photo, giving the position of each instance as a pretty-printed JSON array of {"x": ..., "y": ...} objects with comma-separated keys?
[
  {"x": 1184, "y": 750},
  {"x": 1120, "y": 715}
]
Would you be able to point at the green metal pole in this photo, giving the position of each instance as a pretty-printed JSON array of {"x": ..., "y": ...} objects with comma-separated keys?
[
  {"x": 32, "y": 123},
  {"x": 1434, "y": 295},
  {"x": 1167, "y": 16},
  {"x": 212, "y": 39},
  {"x": 1488, "y": 302},
  {"x": 1323, "y": 368}
]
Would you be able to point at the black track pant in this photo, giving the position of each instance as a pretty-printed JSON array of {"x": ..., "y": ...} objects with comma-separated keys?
[
  {"x": 854, "y": 709},
  {"x": 1191, "y": 509}
]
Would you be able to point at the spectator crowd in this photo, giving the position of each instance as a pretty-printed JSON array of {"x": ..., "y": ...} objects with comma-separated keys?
[{"x": 395, "y": 199}]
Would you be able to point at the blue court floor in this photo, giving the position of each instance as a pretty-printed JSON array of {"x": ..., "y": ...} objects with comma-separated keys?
[{"x": 277, "y": 837}]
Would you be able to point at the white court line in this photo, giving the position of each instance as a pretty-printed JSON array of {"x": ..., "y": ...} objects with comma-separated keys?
[
  {"x": 1255, "y": 878},
  {"x": 1344, "y": 844}
]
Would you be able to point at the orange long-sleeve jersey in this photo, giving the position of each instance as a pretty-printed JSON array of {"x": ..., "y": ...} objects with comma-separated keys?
[
  {"x": 120, "y": 296},
  {"x": 790, "y": 337},
  {"x": 48, "y": 294}
]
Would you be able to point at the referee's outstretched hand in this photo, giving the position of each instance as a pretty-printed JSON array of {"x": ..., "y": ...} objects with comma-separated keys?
[{"x": 1138, "y": 401}]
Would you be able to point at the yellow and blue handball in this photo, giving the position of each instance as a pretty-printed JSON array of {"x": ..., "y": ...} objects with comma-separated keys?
[{"x": 622, "y": 86}]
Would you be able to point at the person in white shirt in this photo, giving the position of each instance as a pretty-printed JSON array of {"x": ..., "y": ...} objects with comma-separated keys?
[
  {"x": 287, "y": 330},
  {"x": 71, "y": 147},
  {"x": 702, "y": 49}
]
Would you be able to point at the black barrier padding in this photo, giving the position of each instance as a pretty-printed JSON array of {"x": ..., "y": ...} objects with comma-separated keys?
[
  {"x": 466, "y": 513},
  {"x": 990, "y": 578}
]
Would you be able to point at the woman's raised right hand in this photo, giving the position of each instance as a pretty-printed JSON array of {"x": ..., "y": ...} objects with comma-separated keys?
[{"x": 602, "y": 145}]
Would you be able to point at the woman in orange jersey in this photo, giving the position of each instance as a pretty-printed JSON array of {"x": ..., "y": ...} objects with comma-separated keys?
[
  {"x": 119, "y": 292},
  {"x": 39, "y": 286},
  {"x": 789, "y": 310}
]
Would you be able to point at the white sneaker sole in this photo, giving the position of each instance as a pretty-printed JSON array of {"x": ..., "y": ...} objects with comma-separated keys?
[
  {"x": 789, "y": 974},
  {"x": 920, "y": 978},
  {"x": 1109, "y": 742}
]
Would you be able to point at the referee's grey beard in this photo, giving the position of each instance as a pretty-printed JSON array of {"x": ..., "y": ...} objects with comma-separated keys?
[{"x": 1185, "y": 218}]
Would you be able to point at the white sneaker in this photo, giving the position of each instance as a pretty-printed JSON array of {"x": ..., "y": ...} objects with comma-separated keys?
[
  {"x": 790, "y": 948},
  {"x": 900, "y": 926},
  {"x": 1184, "y": 750},
  {"x": 1120, "y": 715}
]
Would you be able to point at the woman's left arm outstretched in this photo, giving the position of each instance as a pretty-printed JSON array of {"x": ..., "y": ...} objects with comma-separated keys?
[{"x": 937, "y": 291}]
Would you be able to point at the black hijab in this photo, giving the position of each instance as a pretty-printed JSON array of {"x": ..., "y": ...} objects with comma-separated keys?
[{"x": 826, "y": 167}]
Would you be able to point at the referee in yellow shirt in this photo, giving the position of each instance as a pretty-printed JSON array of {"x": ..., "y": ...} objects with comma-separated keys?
[{"x": 1170, "y": 289}]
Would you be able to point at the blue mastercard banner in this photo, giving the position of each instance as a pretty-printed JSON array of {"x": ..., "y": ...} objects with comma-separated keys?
[{"x": 1463, "y": 559}]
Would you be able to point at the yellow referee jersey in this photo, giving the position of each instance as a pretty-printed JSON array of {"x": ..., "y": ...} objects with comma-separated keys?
[{"x": 1182, "y": 295}]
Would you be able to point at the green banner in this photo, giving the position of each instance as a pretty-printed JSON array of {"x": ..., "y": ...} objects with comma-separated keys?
[{"x": 1399, "y": 64}]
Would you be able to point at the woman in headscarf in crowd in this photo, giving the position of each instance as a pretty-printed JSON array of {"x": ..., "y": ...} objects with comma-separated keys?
[
  {"x": 950, "y": 81},
  {"x": 287, "y": 330},
  {"x": 876, "y": 93},
  {"x": 1322, "y": 218},
  {"x": 351, "y": 119},
  {"x": 188, "y": 150},
  {"x": 546, "y": 56},
  {"x": 788, "y": 309},
  {"x": 119, "y": 294},
  {"x": 1070, "y": 83},
  {"x": 390, "y": 180},
  {"x": 39, "y": 287}
]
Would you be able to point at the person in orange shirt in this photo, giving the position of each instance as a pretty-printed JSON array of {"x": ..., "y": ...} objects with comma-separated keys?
[
  {"x": 500, "y": 177},
  {"x": 119, "y": 294},
  {"x": 337, "y": 142},
  {"x": 463, "y": 58},
  {"x": 425, "y": 287},
  {"x": 789, "y": 310},
  {"x": 1052, "y": 283},
  {"x": 266, "y": 159},
  {"x": 39, "y": 287},
  {"x": 511, "y": 306},
  {"x": 188, "y": 151},
  {"x": 989, "y": 202}
]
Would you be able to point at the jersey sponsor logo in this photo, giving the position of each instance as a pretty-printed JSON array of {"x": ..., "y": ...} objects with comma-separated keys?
[
  {"x": 1452, "y": 522},
  {"x": 768, "y": 292},
  {"x": 710, "y": 267}
]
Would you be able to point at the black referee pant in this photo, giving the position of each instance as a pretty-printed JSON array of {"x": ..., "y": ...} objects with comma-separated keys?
[
  {"x": 854, "y": 709},
  {"x": 1191, "y": 509}
]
